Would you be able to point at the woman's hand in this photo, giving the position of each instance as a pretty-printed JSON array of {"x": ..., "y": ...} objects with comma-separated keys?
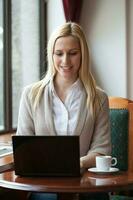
[{"x": 89, "y": 160}]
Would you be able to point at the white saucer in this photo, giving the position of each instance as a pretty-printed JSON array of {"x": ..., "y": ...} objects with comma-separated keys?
[{"x": 111, "y": 170}]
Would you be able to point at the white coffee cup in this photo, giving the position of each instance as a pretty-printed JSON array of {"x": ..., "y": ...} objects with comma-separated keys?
[{"x": 104, "y": 163}]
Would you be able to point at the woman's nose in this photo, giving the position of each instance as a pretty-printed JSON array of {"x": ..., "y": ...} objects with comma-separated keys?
[{"x": 65, "y": 59}]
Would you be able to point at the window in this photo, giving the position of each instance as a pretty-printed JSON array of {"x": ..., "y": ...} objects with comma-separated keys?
[{"x": 24, "y": 31}]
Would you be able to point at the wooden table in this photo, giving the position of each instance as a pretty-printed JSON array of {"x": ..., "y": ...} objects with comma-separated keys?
[{"x": 88, "y": 182}]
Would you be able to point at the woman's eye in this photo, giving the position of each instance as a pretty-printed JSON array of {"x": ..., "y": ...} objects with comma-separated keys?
[
  {"x": 68, "y": 54},
  {"x": 73, "y": 53},
  {"x": 58, "y": 54}
]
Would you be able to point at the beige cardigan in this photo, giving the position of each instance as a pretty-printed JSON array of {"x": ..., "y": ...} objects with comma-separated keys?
[{"x": 94, "y": 134}]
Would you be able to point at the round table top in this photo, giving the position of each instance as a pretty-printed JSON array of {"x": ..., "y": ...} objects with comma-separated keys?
[{"x": 88, "y": 182}]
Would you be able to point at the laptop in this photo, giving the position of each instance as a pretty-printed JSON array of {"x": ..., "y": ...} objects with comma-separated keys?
[{"x": 46, "y": 156}]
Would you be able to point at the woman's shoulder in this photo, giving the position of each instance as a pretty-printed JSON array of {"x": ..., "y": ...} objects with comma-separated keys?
[
  {"x": 31, "y": 91},
  {"x": 101, "y": 94},
  {"x": 32, "y": 86},
  {"x": 27, "y": 88},
  {"x": 25, "y": 95}
]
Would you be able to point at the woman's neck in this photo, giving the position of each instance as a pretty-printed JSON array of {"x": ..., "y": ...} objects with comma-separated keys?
[{"x": 62, "y": 86}]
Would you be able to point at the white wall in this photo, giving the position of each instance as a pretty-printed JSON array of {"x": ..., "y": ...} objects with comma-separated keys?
[
  {"x": 108, "y": 26},
  {"x": 130, "y": 47},
  {"x": 105, "y": 28}
]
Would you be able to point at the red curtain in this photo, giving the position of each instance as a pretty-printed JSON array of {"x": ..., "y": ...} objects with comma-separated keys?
[{"x": 72, "y": 9}]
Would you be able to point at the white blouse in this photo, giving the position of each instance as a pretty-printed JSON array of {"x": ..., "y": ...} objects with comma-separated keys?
[{"x": 65, "y": 115}]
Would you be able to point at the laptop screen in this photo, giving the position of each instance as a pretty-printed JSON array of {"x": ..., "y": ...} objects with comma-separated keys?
[{"x": 46, "y": 155}]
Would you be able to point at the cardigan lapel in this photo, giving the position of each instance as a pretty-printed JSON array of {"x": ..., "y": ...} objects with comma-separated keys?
[
  {"x": 82, "y": 114},
  {"x": 48, "y": 111}
]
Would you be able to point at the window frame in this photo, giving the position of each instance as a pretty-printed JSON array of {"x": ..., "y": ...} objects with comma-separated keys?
[
  {"x": 43, "y": 37},
  {"x": 7, "y": 68}
]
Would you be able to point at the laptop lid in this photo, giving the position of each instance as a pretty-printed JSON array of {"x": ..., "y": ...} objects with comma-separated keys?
[{"x": 46, "y": 155}]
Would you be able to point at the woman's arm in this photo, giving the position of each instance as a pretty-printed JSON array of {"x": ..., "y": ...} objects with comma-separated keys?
[
  {"x": 101, "y": 139},
  {"x": 25, "y": 116}
]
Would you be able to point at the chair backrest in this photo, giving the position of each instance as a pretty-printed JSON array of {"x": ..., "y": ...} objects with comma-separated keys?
[{"x": 121, "y": 119}]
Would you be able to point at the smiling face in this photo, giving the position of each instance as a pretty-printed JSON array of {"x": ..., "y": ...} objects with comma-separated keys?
[{"x": 67, "y": 57}]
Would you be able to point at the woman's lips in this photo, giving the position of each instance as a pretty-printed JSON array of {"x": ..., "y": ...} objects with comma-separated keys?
[{"x": 66, "y": 67}]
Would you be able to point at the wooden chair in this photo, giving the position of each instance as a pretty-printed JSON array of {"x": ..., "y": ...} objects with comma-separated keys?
[{"x": 121, "y": 116}]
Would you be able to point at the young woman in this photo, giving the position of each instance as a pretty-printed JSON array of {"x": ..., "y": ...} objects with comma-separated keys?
[{"x": 67, "y": 101}]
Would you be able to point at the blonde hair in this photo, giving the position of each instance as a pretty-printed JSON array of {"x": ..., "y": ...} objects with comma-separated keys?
[{"x": 85, "y": 75}]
